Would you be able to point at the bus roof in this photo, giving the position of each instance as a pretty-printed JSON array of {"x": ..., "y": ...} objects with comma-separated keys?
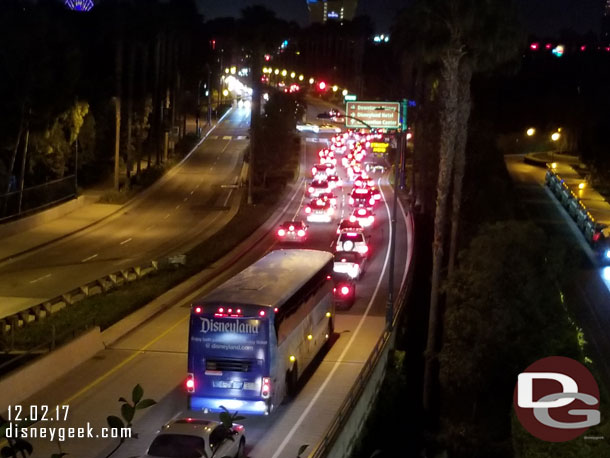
[{"x": 271, "y": 280}]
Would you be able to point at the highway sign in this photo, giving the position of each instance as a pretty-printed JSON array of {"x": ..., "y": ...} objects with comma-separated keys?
[
  {"x": 350, "y": 97},
  {"x": 375, "y": 114}
]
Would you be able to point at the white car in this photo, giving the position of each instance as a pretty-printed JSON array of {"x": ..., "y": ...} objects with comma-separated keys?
[
  {"x": 350, "y": 264},
  {"x": 191, "y": 437},
  {"x": 363, "y": 215},
  {"x": 352, "y": 242},
  {"x": 317, "y": 187},
  {"x": 309, "y": 127},
  {"x": 329, "y": 128}
]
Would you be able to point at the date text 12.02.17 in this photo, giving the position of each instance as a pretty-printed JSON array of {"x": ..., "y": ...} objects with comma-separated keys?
[{"x": 38, "y": 413}]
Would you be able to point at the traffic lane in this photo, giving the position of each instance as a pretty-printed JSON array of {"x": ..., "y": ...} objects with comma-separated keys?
[
  {"x": 589, "y": 288},
  {"x": 127, "y": 239}
]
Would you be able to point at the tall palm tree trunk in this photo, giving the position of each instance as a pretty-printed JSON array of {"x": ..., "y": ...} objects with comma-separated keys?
[
  {"x": 117, "y": 108},
  {"x": 448, "y": 123},
  {"x": 459, "y": 165},
  {"x": 130, "y": 76},
  {"x": 143, "y": 117}
]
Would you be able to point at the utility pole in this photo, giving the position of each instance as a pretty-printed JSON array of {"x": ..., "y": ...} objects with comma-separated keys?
[
  {"x": 117, "y": 139},
  {"x": 402, "y": 137}
]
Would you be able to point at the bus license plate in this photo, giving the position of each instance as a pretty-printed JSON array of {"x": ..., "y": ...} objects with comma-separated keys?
[{"x": 227, "y": 384}]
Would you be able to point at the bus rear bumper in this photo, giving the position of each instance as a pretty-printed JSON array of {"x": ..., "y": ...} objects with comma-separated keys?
[{"x": 208, "y": 405}]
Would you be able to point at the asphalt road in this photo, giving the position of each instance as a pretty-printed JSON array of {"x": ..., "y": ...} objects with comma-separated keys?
[
  {"x": 154, "y": 355},
  {"x": 588, "y": 292},
  {"x": 164, "y": 220}
]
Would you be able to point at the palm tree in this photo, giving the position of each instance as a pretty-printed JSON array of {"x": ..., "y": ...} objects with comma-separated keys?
[{"x": 450, "y": 33}]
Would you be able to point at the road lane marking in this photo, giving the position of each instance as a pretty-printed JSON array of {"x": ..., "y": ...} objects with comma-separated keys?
[
  {"x": 166, "y": 216},
  {"x": 193, "y": 191},
  {"x": 149, "y": 227},
  {"x": 103, "y": 377},
  {"x": 226, "y": 137},
  {"x": 90, "y": 258},
  {"x": 186, "y": 198},
  {"x": 41, "y": 278},
  {"x": 178, "y": 207},
  {"x": 126, "y": 241},
  {"x": 290, "y": 434}
]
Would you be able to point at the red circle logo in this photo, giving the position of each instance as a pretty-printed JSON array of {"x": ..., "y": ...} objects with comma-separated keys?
[{"x": 557, "y": 399}]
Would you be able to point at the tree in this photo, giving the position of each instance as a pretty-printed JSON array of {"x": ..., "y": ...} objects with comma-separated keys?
[
  {"x": 445, "y": 32},
  {"x": 506, "y": 311}
]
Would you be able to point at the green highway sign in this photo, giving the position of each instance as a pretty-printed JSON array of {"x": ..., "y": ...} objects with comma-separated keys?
[
  {"x": 350, "y": 97},
  {"x": 376, "y": 114}
]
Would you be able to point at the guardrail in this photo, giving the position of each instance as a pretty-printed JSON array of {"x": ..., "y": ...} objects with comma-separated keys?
[
  {"x": 100, "y": 285},
  {"x": 325, "y": 445}
]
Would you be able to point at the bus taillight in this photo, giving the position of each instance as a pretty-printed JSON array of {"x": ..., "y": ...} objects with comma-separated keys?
[
  {"x": 190, "y": 383},
  {"x": 197, "y": 310},
  {"x": 261, "y": 313},
  {"x": 266, "y": 388}
]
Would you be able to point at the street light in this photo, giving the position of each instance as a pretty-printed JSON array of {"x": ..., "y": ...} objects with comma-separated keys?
[
  {"x": 556, "y": 136},
  {"x": 531, "y": 131}
]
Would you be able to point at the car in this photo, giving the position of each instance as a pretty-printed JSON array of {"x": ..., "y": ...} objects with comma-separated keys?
[
  {"x": 319, "y": 211},
  {"x": 292, "y": 231},
  {"x": 376, "y": 192},
  {"x": 344, "y": 291},
  {"x": 352, "y": 242},
  {"x": 349, "y": 226},
  {"x": 308, "y": 127},
  {"x": 191, "y": 437},
  {"x": 374, "y": 168},
  {"x": 330, "y": 197},
  {"x": 329, "y": 128},
  {"x": 349, "y": 263},
  {"x": 334, "y": 181},
  {"x": 362, "y": 197},
  {"x": 317, "y": 187},
  {"x": 364, "y": 216},
  {"x": 327, "y": 167}
]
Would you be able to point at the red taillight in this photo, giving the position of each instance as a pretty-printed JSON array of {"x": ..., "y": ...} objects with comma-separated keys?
[
  {"x": 261, "y": 313},
  {"x": 371, "y": 200},
  {"x": 314, "y": 170},
  {"x": 310, "y": 189},
  {"x": 351, "y": 201},
  {"x": 190, "y": 383},
  {"x": 301, "y": 233},
  {"x": 291, "y": 228},
  {"x": 362, "y": 212},
  {"x": 221, "y": 310},
  {"x": 266, "y": 388},
  {"x": 596, "y": 236},
  {"x": 307, "y": 210},
  {"x": 328, "y": 277},
  {"x": 197, "y": 310},
  {"x": 333, "y": 201},
  {"x": 345, "y": 290},
  {"x": 330, "y": 210},
  {"x": 365, "y": 249},
  {"x": 275, "y": 310},
  {"x": 281, "y": 232},
  {"x": 352, "y": 219}
]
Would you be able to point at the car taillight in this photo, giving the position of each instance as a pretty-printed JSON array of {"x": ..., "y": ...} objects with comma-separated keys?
[
  {"x": 197, "y": 310},
  {"x": 344, "y": 290},
  {"x": 352, "y": 219},
  {"x": 362, "y": 212},
  {"x": 190, "y": 383},
  {"x": 310, "y": 189},
  {"x": 371, "y": 200},
  {"x": 333, "y": 201},
  {"x": 365, "y": 249},
  {"x": 314, "y": 170},
  {"x": 307, "y": 209},
  {"x": 330, "y": 210},
  {"x": 596, "y": 236},
  {"x": 281, "y": 232},
  {"x": 301, "y": 233},
  {"x": 351, "y": 201},
  {"x": 371, "y": 218},
  {"x": 266, "y": 388},
  {"x": 377, "y": 196}
]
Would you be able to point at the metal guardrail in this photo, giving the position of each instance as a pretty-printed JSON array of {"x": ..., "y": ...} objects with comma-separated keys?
[
  {"x": 345, "y": 410},
  {"x": 100, "y": 285},
  {"x": 36, "y": 198}
]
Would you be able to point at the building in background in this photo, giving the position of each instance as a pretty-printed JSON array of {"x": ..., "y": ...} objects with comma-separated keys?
[{"x": 322, "y": 11}]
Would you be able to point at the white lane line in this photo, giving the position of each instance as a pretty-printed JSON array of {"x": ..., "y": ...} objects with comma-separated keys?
[
  {"x": 226, "y": 137},
  {"x": 149, "y": 227},
  {"x": 166, "y": 216},
  {"x": 41, "y": 278},
  {"x": 296, "y": 426},
  {"x": 299, "y": 207},
  {"x": 126, "y": 241},
  {"x": 212, "y": 168},
  {"x": 186, "y": 198},
  {"x": 193, "y": 191},
  {"x": 178, "y": 207},
  {"x": 90, "y": 258}
]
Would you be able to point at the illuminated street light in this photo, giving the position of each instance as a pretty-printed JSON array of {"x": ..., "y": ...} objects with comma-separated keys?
[
  {"x": 276, "y": 71},
  {"x": 335, "y": 88},
  {"x": 225, "y": 92},
  {"x": 284, "y": 72},
  {"x": 233, "y": 70},
  {"x": 344, "y": 92},
  {"x": 531, "y": 131},
  {"x": 227, "y": 70},
  {"x": 556, "y": 136},
  {"x": 311, "y": 80},
  {"x": 301, "y": 77},
  {"x": 293, "y": 74}
]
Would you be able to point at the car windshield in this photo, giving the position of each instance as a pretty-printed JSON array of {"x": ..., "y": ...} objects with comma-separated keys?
[{"x": 177, "y": 446}]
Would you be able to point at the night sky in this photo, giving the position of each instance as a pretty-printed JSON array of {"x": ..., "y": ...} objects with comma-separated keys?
[{"x": 540, "y": 16}]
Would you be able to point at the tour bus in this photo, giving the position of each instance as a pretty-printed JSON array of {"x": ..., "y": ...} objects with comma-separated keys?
[{"x": 251, "y": 338}]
